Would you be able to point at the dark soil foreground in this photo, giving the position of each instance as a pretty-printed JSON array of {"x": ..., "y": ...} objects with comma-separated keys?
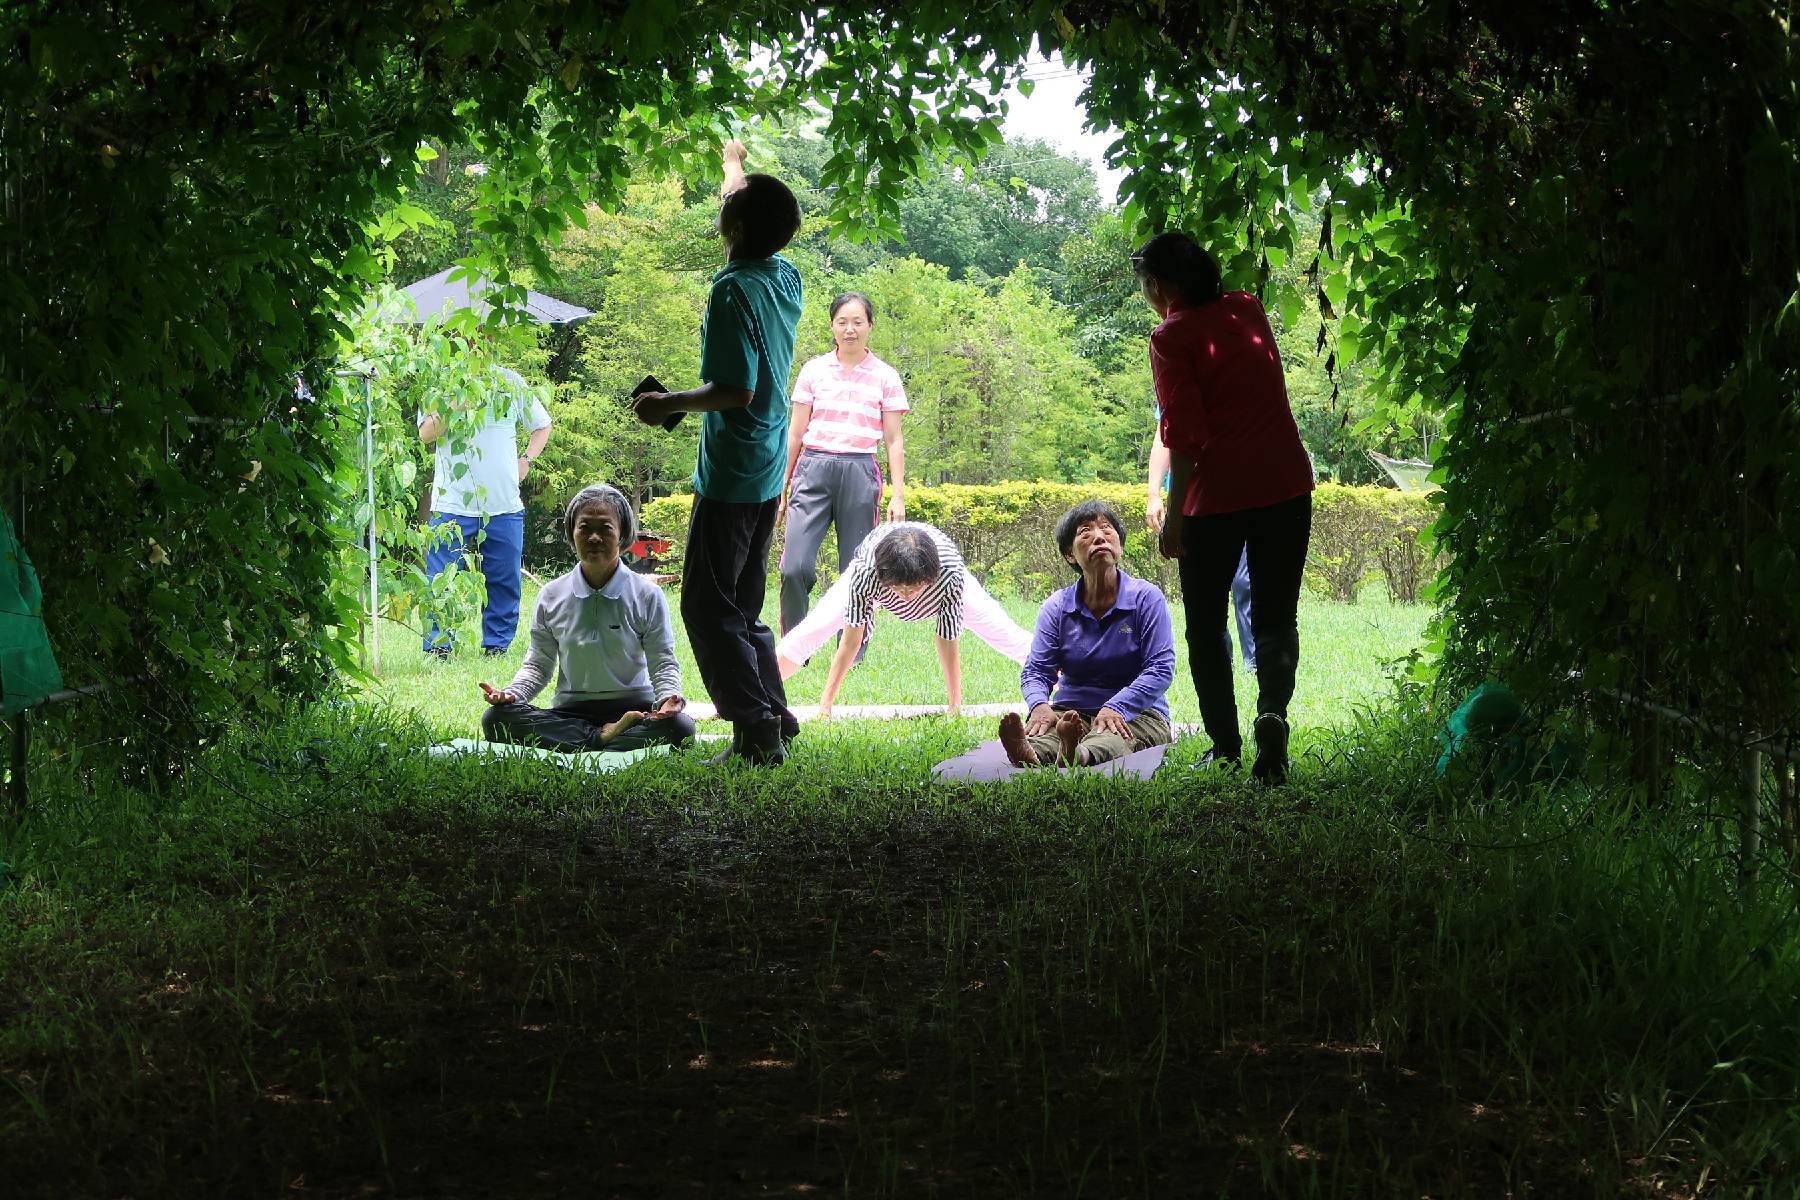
[{"x": 414, "y": 1006}]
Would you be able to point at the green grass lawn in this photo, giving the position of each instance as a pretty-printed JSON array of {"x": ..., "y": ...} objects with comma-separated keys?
[
  {"x": 326, "y": 965},
  {"x": 323, "y": 964},
  {"x": 1344, "y": 649}
]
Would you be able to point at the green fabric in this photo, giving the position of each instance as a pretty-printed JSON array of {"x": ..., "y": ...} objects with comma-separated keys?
[
  {"x": 1486, "y": 742},
  {"x": 747, "y": 341},
  {"x": 28, "y": 670}
]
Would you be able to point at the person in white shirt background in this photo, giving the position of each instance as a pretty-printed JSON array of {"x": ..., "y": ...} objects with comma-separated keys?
[{"x": 475, "y": 501}]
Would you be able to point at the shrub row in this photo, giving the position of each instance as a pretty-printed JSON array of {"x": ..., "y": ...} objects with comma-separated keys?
[{"x": 1006, "y": 532}]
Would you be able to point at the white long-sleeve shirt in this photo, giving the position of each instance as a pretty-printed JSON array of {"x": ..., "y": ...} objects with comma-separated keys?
[{"x": 605, "y": 643}]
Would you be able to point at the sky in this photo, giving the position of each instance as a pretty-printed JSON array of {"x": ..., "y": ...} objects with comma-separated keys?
[{"x": 1053, "y": 113}]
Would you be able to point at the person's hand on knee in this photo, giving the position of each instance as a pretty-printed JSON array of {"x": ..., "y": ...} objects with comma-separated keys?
[
  {"x": 1108, "y": 721},
  {"x": 1041, "y": 721},
  {"x": 496, "y": 696}
]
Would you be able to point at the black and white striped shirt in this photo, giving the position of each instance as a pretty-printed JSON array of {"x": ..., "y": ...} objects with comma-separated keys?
[{"x": 941, "y": 598}]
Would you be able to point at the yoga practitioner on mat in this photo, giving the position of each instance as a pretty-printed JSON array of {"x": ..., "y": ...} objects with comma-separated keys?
[
  {"x": 1097, "y": 680},
  {"x": 1241, "y": 488},
  {"x": 605, "y": 630},
  {"x": 843, "y": 405},
  {"x": 913, "y": 571}
]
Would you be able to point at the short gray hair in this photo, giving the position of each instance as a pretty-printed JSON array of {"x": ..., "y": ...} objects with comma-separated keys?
[{"x": 613, "y": 498}]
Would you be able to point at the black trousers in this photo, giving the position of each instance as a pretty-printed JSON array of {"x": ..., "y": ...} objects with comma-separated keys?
[
  {"x": 577, "y": 726},
  {"x": 1275, "y": 538},
  {"x": 724, "y": 576}
]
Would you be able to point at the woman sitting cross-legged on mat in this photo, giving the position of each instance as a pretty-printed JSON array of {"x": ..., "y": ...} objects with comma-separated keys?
[
  {"x": 606, "y": 631},
  {"x": 1097, "y": 680},
  {"x": 914, "y": 571}
]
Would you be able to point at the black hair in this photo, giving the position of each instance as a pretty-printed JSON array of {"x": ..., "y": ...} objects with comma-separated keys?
[
  {"x": 610, "y": 497},
  {"x": 1075, "y": 518},
  {"x": 1179, "y": 261},
  {"x": 906, "y": 556},
  {"x": 767, "y": 214},
  {"x": 844, "y": 298}
]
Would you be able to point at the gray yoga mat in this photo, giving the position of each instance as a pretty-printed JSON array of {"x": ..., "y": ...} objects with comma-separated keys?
[
  {"x": 987, "y": 763},
  {"x": 505, "y": 751}
]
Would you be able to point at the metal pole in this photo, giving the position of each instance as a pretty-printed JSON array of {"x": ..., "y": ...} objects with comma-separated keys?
[
  {"x": 21, "y": 731},
  {"x": 21, "y": 744},
  {"x": 1750, "y": 819},
  {"x": 374, "y": 549}
]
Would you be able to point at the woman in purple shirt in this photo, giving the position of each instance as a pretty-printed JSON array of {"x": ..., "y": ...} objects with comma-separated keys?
[{"x": 1097, "y": 679}]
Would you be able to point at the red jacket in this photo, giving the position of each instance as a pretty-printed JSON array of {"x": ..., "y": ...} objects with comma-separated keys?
[{"x": 1224, "y": 404}]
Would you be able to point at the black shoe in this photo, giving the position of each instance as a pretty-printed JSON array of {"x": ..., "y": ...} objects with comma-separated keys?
[
  {"x": 494, "y": 651},
  {"x": 724, "y": 756},
  {"x": 760, "y": 742},
  {"x": 1216, "y": 757},
  {"x": 438, "y": 654},
  {"x": 1271, "y": 733}
]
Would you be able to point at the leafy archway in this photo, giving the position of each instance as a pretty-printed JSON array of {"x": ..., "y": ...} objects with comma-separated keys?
[{"x": 1573, "y": 230}]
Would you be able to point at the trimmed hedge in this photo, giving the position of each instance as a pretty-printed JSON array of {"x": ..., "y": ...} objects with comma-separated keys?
[
  {"x": 1359, "y": 529},
  {"x": 1006, "y": 534}
]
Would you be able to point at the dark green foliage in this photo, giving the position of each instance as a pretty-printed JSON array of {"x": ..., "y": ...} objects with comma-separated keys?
[
  {"x": 191, "y": 199},
  {"x": 1570, "y": 229},
  {"x": 1020, "y": 206}
]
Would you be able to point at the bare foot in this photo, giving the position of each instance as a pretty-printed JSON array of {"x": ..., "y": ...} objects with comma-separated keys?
[
  {"x": 1070, "y": 729},
  {"x": 1012, "y": 738},
  {"x": 626, "y": 720}
]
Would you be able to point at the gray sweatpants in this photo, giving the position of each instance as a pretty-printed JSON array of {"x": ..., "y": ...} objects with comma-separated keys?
[{"x": 828, "y": 489}]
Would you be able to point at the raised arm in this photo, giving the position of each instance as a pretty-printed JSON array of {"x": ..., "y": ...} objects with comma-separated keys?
[{"x": 732, "y": 155}]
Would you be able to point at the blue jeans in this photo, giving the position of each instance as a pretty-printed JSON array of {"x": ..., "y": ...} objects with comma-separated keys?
[
  {"x": 499, "y": 543},
  {"x": 1240, "y": 602}
]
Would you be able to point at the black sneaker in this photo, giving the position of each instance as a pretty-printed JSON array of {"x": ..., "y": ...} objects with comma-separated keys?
[
  {"x": 494, "y": 651},
  {"x": 438, "y": 654},
  {"x": 724, "y": 756},
  {"x": 1216, "y": 757},
  {"x": 760, "y": 742},
  {"x": 1271, "y": 733}
]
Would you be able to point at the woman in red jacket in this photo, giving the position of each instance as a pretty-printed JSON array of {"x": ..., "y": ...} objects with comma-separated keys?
[{"x": 1243, "y": 481}]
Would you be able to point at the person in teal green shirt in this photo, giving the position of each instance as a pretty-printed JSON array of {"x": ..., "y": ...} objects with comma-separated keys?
[{"x": 746, "y": 350}]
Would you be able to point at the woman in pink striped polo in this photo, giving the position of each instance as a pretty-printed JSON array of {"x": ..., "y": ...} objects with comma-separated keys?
[{"x": 844, "y": 404}]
